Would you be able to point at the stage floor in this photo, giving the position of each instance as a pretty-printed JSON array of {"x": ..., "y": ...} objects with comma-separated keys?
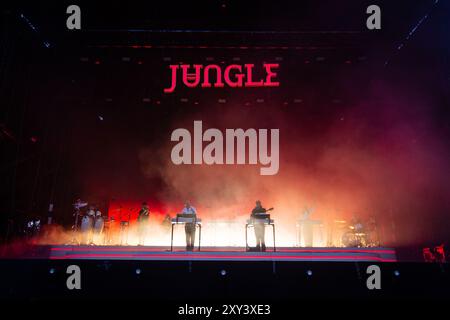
[{"x": 65, "y": 252}]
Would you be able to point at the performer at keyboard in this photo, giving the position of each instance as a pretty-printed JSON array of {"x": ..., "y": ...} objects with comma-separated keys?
[
  {"x": 189, "y": 228},
  {"x": 259, "y": 227},
  {"x": 143, "y": 217}
]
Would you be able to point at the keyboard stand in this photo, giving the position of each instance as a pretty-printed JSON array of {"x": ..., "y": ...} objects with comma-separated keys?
[
  {"x": 247, "y": 225},
  {"x": 197, "y": 224}
]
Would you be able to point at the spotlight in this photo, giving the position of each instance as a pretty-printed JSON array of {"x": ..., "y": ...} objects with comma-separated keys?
[
  {"x": 138, "y": 271},
  {"x": 309, "y": 273},
  {"x": 396, "y": 273},
  {"x": 52, "y": 270},
  {"x": 223, "y": 273}
]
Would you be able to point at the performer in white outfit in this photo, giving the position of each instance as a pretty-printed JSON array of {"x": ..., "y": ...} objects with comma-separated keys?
[{"x": 189, "y": 228}]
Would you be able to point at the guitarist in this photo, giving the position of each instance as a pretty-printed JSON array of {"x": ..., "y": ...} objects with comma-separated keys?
[{"x": 259, "y": 227}]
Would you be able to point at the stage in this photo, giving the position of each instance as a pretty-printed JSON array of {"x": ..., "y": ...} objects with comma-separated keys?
[
  {"x": 290, "y": 274},
  {"x": 215, "y": 274},
  {"x": 68, "y": 252}
]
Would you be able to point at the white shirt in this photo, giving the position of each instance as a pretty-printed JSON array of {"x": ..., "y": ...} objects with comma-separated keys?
[{"x": 190, "y": 210}]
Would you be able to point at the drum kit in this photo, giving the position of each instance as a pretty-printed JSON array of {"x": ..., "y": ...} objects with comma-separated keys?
[
  {"x": 355, "y": 236},
  {"x": 357, "y": 233}
]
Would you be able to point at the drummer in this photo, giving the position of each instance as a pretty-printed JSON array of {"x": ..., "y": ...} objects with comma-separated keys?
[{"x": 356, "y": 224}]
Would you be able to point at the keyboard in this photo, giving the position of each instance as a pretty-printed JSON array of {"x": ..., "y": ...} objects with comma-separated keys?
[
  {"x": 260, "y": 221},
  {"x": 186, "y": 220},
  {"x": 260, "y": 216}
]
